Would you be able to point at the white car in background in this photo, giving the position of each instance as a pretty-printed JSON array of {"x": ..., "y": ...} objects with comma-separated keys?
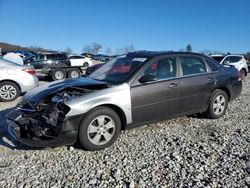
[
  {"x": 15, "y": 79},
  {"x": 238, "y": 61},
  {"x": 78, "y": 60}
]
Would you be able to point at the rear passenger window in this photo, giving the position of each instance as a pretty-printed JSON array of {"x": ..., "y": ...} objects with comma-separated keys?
[
  {"x": 192, "y": 65},
  {"x": 213, "y": 65}
]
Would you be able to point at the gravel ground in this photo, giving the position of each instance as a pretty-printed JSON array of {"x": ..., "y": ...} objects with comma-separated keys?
[{"x": 183, "y": 152}]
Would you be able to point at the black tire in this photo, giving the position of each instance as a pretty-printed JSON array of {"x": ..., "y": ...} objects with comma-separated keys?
[
  {"x": 58, "y": 74},
  {"x": 243, "y": 74},
  {"x": 12, "y": 87},
  {"x": 74, "y": 73},
  {"x": 85, "y": 138},
  {"x": 211, "y": 111},
  {"x": 86, "y": 64}
]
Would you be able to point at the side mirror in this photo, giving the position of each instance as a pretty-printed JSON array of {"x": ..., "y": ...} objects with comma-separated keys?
[
  {"x": 147, "y": 78},
  {"x": 226, "y": 63}
]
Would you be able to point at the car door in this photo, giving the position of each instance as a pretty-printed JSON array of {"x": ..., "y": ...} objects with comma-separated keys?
[
  {"x": 158, "y": 99},
  {"x": 197, "y": 84}
]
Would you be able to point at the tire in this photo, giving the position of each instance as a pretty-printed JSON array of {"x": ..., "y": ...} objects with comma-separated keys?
[
  {"x": 243, "y": 74},
  {"x": 217, "y": 105},
  {"x": 85, "y": 64},
  {"x": 99, "y": 129},
  {"x": 9, "y": 91},
  {"x": 74, "y": 73},
  {"x": 58, "y": 74}
]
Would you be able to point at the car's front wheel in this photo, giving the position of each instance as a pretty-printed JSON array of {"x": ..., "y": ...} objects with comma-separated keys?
[
  {"x": 218, "y": 104},
  {"x": 99, "y": 129}
]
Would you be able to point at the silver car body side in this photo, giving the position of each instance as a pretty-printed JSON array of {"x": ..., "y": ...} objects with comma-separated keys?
[
  {"x": 13, "y": 72},
  {"x": 116, "y": 95}
]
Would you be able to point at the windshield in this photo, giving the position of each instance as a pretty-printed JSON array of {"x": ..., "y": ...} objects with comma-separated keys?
[{"x": 118, "y": 70}]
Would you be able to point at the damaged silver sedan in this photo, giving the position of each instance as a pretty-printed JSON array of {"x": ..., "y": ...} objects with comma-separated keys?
[{"x": 129, "y": 91}]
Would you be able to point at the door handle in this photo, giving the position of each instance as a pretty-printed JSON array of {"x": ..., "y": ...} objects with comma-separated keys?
[{"x": 173, "y": 85}]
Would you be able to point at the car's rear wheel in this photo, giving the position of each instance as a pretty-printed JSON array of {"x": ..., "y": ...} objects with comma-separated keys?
[
  {"x": 74, "y": 73},
  {"x": 9, "y": 91},
  {"x": 243, "y": 74},
  {"x": 58, "y": 74},
  {"x": 218, "y": 104},
  {"x": 99, "y": 129},
  {"x": 85, "y": 64}
]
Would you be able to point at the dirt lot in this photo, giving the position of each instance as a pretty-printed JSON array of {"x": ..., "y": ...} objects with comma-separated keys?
[{"x": 183, "y": 152}]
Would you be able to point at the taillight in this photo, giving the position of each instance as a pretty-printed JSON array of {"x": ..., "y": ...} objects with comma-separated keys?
[
  {"x": 239, "y": 76},
  {"x": 30, "y": 71}
]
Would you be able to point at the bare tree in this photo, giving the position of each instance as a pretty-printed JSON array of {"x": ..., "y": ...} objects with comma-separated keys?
[
  {"x": 96, "y": 47},
  {"x": 108, "y": 51},
  {"x": 87, "y": 49},
  {"x": 125, "y": 49},
  {"x": 68, "y": 50}
]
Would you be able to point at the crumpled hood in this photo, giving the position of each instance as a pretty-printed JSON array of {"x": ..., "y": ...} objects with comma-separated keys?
[{"x": 37, "y": 94}]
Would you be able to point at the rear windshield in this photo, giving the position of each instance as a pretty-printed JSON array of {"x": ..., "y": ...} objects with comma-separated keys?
[{"x": 4, "y": 62}]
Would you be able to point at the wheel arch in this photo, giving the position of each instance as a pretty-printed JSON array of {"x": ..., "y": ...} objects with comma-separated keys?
[
  {"x": 227, "y": 91},
  {"x": 119, "y": 111},
  {"x": 243, "y": 68}
]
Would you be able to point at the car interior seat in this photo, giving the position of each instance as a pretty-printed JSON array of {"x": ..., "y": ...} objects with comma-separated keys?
[{"x": 163, "y": 70}]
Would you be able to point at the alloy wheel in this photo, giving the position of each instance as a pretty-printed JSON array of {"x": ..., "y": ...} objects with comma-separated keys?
[
  {"x": 101, "y": 130},
  {"x": 8, "y": 92},
  {"x": 219, "y": 104}
]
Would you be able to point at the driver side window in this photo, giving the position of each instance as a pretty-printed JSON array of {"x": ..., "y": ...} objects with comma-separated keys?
[{"x": 162, "y": 69}]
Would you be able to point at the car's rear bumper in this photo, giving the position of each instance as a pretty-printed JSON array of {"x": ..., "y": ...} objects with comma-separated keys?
[
  {"x": 67, "y": 136},
  {"x": 236, "y": 90},
  {"x": 28, "y": 83}
]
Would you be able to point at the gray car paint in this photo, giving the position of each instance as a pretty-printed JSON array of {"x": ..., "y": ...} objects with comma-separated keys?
[{"x": 118, "y": 95}]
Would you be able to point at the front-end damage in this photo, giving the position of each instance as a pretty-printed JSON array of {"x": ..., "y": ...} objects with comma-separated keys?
[{"x": 44, "y": 123}]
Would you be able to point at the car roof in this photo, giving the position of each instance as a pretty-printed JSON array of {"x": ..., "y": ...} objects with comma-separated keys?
[
  {"x": 75, "y": 55},
  {"x": 50, "y": 53},
  {"x": 234, "y": 55},
  {"x": 152, "y": 54},
  {"x": 217, "y": 55}
]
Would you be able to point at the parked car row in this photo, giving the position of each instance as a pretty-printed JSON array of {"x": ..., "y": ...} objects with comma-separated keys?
[{"x": 132, "y": 90}]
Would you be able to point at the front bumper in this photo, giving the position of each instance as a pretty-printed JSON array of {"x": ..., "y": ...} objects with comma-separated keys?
[{"x": 67, "y": 136}]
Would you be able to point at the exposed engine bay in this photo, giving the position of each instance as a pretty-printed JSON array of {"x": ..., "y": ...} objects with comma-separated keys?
[{"x": 44, "y": 120}]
